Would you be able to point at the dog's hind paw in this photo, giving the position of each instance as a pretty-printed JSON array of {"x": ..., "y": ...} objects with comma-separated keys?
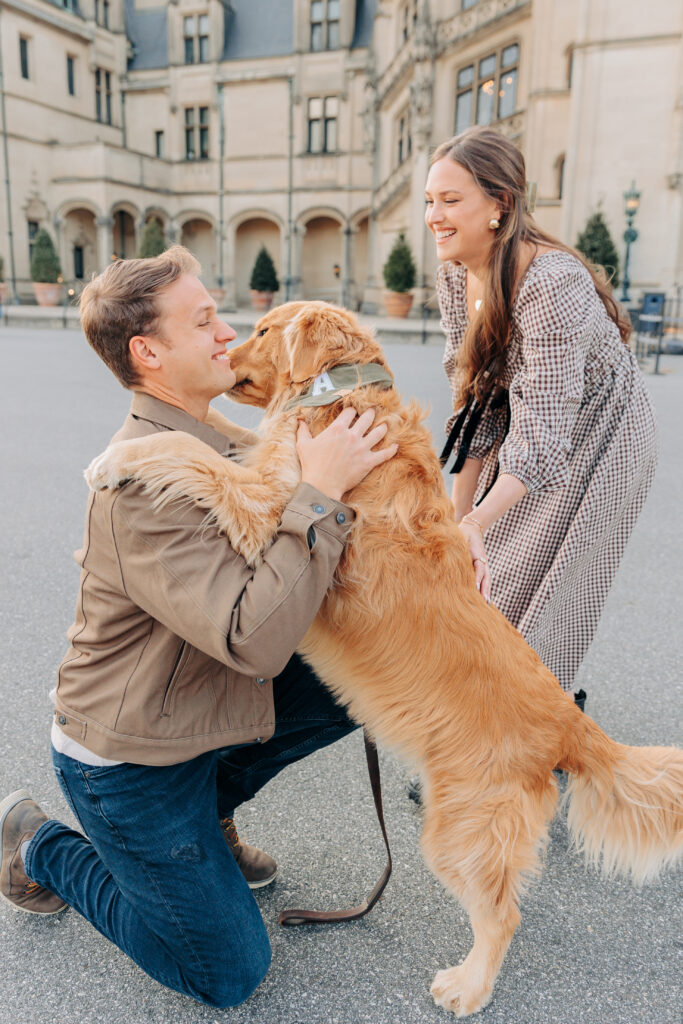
[
  {"x": 454, "y": 990},
  {"x": 104, "y": 471}
]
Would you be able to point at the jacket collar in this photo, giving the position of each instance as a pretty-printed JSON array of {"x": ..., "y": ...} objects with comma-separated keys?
[{"x": 147, "y": 407}]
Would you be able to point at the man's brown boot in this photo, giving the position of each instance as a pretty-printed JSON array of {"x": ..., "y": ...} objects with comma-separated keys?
[
  {"x": 257, "y": 867},
  {"x": 20, "y": 819}
]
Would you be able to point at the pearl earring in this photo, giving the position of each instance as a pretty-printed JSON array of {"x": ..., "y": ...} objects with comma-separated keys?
[{"x": 494, "y": 223}]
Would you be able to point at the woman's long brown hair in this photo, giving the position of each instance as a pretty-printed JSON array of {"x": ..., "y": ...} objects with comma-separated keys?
[{"x": 497, "y": 167}]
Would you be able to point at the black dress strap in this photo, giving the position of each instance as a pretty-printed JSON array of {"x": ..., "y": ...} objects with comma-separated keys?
[{"x": 467, "y": 421}]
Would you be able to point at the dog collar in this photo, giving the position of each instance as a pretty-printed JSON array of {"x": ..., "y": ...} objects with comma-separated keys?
[{"x": 338, "y": 381}]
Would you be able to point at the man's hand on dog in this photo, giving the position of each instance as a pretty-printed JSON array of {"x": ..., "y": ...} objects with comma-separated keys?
[{"x": 342, "y": 455}]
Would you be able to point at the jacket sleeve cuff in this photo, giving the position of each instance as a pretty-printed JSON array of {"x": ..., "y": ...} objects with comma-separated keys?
[{"x": 332, "y": 517}]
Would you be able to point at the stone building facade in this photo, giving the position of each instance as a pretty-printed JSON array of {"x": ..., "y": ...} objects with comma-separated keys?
[{"x": 307, "y": 125}]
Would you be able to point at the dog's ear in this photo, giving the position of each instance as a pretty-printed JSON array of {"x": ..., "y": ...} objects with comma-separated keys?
[{"x": 315, "y": 336}]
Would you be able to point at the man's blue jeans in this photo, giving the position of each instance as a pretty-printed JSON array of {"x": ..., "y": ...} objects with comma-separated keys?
[{"x": 153, "y": 872}]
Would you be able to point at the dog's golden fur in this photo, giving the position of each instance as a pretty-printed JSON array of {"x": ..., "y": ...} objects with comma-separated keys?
[{"x": 408, "y": 644}]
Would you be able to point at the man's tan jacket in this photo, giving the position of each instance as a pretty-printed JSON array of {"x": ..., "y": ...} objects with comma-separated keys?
[{"x": 176, "y": 639}]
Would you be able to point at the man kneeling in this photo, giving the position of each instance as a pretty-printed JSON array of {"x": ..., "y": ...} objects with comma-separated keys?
[{"x": 180, "y": 695}]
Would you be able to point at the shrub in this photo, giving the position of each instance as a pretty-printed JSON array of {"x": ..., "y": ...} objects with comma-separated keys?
[
  {"x": 399, "y": 270},
  {"x": 152, "y": 240},
  {"x": 45, "y": 265},
  {"x": 595, "y": 242},
  {"x": 263, "y": 276}
]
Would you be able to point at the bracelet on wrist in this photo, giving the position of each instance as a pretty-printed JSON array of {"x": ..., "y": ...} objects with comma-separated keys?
[{"x": 473, "y": 521}]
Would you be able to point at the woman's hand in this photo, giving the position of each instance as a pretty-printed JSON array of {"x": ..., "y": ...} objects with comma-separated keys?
[{"x": 475, "y": 543}]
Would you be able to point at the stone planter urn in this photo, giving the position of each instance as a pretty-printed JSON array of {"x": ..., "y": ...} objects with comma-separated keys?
[
  {"x": 261, "y": 301},
  {"x": 398, "y": 303},
  {"x": 47, "y": 294}
]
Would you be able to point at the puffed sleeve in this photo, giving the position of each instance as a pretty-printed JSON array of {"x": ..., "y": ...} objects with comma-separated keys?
[
  {"x": 450, "y": 293},
  {"x": 553, "y": 314}
]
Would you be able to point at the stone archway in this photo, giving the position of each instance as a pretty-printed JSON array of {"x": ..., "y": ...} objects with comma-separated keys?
[
  {"x": 249, "y": 237},
  {"x": 322, "y": 260},
  {"x": 197, "y": 235},
  {"x": 79, "y": 244},
  {"x": 124, "y": 241}
]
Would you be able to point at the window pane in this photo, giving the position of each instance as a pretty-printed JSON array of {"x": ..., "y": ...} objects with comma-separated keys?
[
  {"x": 507, "y": 94},
  {"x": 331, "y": 106},
  {"x": 466, "y": 76},
  {"x": 317, "y": 10},
  {"x": 189, "y": 115},
  {"x": 203, "y": 49},
  {"x": 204, "y": 143},
  {"x": 331, "y": 135},
  {"x": 23, "y": 56},
  {"x": 485, "y": 102},
  {"x": 487, "y": 66},
  {"x": 203, "y": 24},
  {"x": 189, "y": 144},
  {"x": 159, "y": 143},
  {"x": 78, "y": 263},
  {"x": 315, "y": 136},
  {"x": 70, "y": 76},
  {"x": 332, "y": 9},
  {"x": 189, "y": 51},
  {"x": 333, "y": 35},
  {"x": 316, "y": 37},
  {"x": 315, "y": 107},
  {"x": 463, "y": 111},
  {"x": 203, "y": 115},
  {"x": 188, "y": 26},
  {"x": 510, "y": 55},
  {"x": 468, "y": 3}
]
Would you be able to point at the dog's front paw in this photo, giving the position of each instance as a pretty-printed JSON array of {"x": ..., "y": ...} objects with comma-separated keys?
[
  {"x": 106, "y": 471},
  {"x": 457, "y": 992}
]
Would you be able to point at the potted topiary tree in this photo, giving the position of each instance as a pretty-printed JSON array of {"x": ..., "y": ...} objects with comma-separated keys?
[
  {"x": 399, "y": 277},
  {"x": 263, "y": 281},
  {"x": 152, "y": 240},
  {"x": 595, "y": 242},
  {"x": 46, "y": 271}
]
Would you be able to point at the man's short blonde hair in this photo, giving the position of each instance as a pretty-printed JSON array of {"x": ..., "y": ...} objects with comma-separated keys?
[{"x": 122, "y": 302}]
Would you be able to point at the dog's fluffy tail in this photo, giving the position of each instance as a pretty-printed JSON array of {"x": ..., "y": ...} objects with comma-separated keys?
[{"x": 625, "y": 804}]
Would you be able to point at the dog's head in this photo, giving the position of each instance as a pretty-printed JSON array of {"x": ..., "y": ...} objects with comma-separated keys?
[{"x": 294, "y": 343}]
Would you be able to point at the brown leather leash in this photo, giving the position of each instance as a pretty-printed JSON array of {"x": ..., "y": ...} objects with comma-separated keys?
[{"x": 292, "y": 917}]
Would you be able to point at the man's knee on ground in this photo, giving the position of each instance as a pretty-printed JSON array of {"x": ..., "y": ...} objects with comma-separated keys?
[{"x": 229, "y": 983}]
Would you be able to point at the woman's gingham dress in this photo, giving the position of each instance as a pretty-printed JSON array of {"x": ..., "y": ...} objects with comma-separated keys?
[{"x": 581, "y": 438}]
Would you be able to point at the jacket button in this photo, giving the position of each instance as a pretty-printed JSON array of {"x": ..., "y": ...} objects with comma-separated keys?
[
  {"x": 260, "y": 681},
  {"x": 258, "y": 739},
  {"x": 61, "y": 720},
  {"x": 319, "y": 509},
  {"x": 341, "y": 518}
]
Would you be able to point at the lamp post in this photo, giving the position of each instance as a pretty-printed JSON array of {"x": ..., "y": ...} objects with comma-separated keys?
[{"x": 631, "y": 204}]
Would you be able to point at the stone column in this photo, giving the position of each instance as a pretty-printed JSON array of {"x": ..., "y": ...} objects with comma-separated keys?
[
  {"x": 297, "y": 254},
  {"x": 58, "y": 224},
  {"x": 105, "y": 242},
  {"x": 229, "y": 282},
  {"x": 348, "y": 284}
]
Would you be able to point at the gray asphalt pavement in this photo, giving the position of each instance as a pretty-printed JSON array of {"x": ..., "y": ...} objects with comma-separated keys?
[{"x": 588, "y": 950}]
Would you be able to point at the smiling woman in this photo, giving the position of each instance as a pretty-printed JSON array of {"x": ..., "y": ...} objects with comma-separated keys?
[{"x": 552, "y": 427}]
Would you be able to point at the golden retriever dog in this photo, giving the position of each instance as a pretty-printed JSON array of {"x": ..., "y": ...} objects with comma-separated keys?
[{"x": 407, "y": 643}]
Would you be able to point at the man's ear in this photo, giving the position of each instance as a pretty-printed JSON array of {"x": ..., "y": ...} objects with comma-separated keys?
[
  {"x": 143, "y": 353},
  {"x": 312, "y": 338}
]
